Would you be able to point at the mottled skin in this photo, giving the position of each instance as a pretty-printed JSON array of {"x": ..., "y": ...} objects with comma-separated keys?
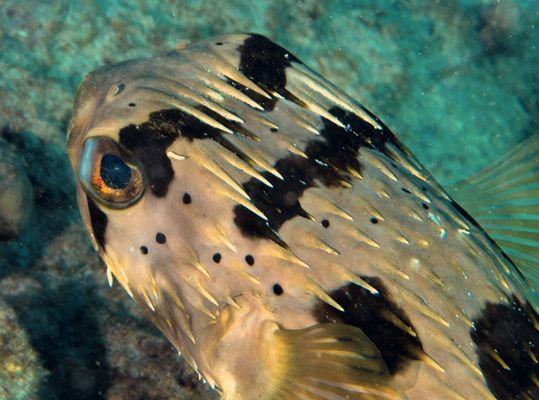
[{"x": 239, "y": 116}]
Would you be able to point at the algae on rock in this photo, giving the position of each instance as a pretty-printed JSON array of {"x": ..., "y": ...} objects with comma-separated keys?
[{"x": 20, "y": 370}]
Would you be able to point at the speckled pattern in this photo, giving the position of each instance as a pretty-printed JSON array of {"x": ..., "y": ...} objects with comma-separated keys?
[{"x": 455, "y": 80}]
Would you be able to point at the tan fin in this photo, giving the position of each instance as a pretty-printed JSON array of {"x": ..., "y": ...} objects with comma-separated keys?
[
  {"x": 504, "y": 199},
  {"x": 328, "y": 361}
]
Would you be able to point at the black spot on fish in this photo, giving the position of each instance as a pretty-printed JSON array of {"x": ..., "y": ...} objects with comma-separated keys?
[
  {"x": 98, "y": 221},
  {"x": 325, "y": 223},
  {"x": 372, "y": 313},
  {"x": 160, "y": 238},
  {"x": 278, "y": 289},
  {"x": 186, "y": 198},
  {"x": 508, "y": 330},
  {"x": 265, "y": 63},
  {"x": 406, "y": 190},
  {"x": 249, "y": 259},
  {"x": 216, "y": 258},
  {"x": 132, "y": 105},
  {"x": 328, "y": 161},
  {"x": 425, "y": 206},
  {"x": 144, "y": 250},
  {"x": 374, "y": 220}
]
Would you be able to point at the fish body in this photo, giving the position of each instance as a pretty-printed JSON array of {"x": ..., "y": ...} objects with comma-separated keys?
[{"x": 284, "y": 240}]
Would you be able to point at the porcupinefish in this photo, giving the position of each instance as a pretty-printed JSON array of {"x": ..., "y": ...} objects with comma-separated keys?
[{"x": 289, "y": 246}]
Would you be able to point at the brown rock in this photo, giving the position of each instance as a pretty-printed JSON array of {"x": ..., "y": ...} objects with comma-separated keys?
[{"x": 15, "y": 192}]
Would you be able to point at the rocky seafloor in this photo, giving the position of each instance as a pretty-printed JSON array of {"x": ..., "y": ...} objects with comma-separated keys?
[{"x": 457, "y": 80}]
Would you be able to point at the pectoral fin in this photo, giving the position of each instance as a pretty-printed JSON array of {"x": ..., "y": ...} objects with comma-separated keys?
[
  {"x": 328, "y": 361},
  {"x": 504, "y": 199}
]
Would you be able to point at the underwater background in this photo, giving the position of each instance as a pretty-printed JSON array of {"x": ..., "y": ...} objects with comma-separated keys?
[{"x": 456, "y": 80}]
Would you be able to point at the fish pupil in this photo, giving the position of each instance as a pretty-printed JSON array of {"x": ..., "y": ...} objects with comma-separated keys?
[{"x": 115, "y": 173}]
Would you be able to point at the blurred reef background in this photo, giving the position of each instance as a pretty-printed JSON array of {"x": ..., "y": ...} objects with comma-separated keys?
[{"x": 457, "y": 80}]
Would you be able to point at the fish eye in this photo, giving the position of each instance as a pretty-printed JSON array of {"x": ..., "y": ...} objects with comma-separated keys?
[
  {"x": 114, "y": 172},
  {"x": 108, "y": 174}
]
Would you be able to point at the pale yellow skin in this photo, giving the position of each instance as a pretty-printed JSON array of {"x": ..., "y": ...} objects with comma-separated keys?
[{"x": 222, "y": 317}]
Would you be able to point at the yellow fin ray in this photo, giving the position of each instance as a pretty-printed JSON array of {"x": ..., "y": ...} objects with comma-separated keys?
[
  {"x": 504, "y": 199},
  {"x": 328, "y": 361}
]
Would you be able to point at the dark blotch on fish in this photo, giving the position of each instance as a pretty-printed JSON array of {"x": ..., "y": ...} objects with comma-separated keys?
[
  {"x": 370, "y": 313},
  {"x": 328, "y": 161},
  {"x": 508, "y": 330},
  {"x": 265, "y": 63},
  {"x": 98, "y": 220},
  {"x": 150, "y": 140}
]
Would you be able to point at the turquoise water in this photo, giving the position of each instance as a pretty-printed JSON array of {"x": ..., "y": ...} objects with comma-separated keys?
[{"x": 456, "y": 80}]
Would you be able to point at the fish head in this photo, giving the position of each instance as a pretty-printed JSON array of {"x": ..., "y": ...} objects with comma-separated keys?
[{"x": 150, "y": 194}]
